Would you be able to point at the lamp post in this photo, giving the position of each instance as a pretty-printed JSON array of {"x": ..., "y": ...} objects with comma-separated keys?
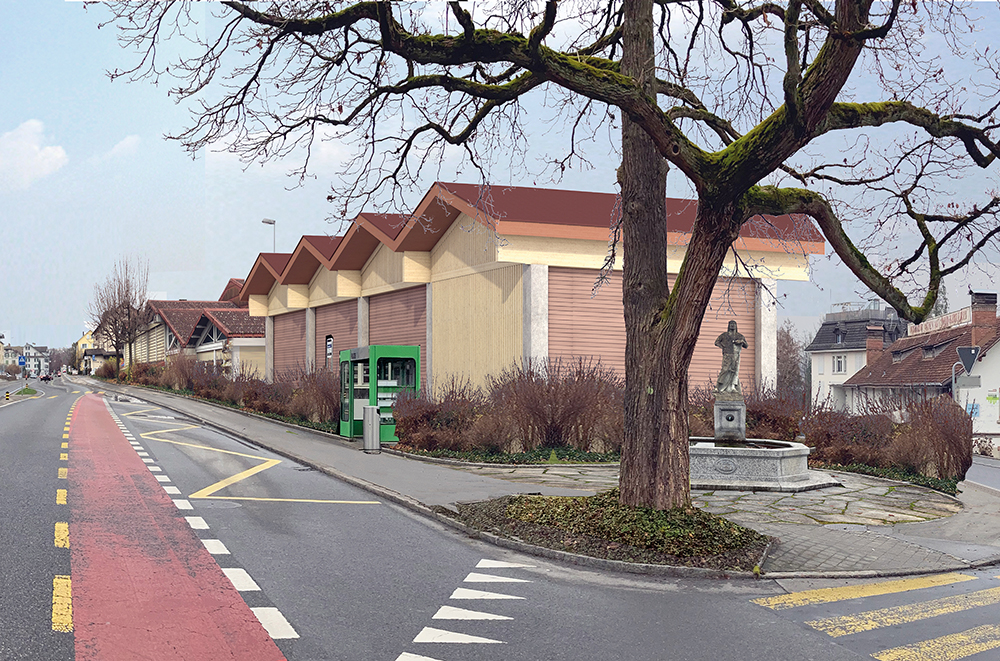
[{"x": 274, "y": 233}]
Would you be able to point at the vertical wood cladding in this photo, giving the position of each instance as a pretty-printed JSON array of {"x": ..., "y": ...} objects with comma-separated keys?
[
  {"x": 582, "y": 325},
  {"x": 290, "y": 342},
  {"x": 341, "y": 321},
  {"x": 400, "y": 317},
  {"x": 477, "y": 324}
]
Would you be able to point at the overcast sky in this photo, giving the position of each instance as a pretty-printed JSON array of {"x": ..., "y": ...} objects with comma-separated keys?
[{"x": 86, "y": 177}]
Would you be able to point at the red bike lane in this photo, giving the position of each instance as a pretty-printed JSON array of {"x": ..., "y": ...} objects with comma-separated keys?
[{"x": 143, "y": 585}]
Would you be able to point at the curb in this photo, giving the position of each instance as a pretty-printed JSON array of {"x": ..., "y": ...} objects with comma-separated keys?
[{"x": 480, "y": 464}]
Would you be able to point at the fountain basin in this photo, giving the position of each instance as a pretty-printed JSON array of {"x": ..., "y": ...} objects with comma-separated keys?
[{"x": 753, "y": 465}]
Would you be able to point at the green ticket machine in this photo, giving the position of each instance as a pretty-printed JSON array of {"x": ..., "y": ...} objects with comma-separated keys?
[{"x": 374, "y": 376}]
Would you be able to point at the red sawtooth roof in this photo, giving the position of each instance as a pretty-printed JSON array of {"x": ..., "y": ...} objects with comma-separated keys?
[
  {"x": 181, "y": 317},
  {"x": 512, "y": 210},
  {"x": 912, "y": 368}
]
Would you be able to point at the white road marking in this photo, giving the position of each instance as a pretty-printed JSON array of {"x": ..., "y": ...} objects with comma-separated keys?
[
  {"x": 216, "y": 547},
  {"x": 490, "y": 578},
  {"x": 154, "y": 469},
  {"x": 174, "y": 491},
  {"x": 142, "y": 454},
  {"x": 406, "y": 656},
  {"x": 183, "y": 504},
  {"x": 162, "y": 478},
  {"x": 452, "y": 613},
  {"x": 465, "y": 593},
  {"x": 196, "y": 522},
  {"x": 274, "y": 623},
  {"x": 147, "y": 460},
  {"x": 432, "y": 635},
  {"x": 240, "y": 578},
  {"x": 499, "y": 564}
]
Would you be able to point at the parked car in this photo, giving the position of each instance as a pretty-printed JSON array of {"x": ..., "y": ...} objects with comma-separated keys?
[{"x": 46, "y": 377}]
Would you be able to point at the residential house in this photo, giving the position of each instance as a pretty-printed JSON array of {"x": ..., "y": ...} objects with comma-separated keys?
[
  {"x": 220, "y": 332},
  {"x": 922, "y": 364},
  {"x": 85, "y": 342},
  {"x": 482, "y": 278},
  {"x": 839, "y": 348},
  {"x": 36, "y": 359}
]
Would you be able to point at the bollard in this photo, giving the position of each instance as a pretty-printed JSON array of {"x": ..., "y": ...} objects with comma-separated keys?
[{"x": 8, "y": 395}]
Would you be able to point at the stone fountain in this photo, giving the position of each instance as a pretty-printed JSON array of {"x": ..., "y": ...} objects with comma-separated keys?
[{"x": 732, "y": 461}]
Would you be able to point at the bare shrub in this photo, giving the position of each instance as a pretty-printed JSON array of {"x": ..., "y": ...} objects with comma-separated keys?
[
  {"x": 179, "y": 373},
  {"x": 146, "y": 374},
  {"x": 576, "y": 404},
  {"x": 443, "y": 421},
  {"x": 107, "y": 370},
  {"x": 317, "y": 397},
  {"x": 838, "y": 437},
  {"x": 209, "y": 380},
  {"x": 935, "y": 440}
]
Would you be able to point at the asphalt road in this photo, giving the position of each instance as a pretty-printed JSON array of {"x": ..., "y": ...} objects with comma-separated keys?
[{"x": 334, "y": 573}]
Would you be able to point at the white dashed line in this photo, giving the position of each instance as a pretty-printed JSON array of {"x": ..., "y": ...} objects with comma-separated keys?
[
  {"x": 196, "y": 522},
  {"x": 241, "y": 579},
  {"x": 162, "y": 478},
  {"x": 215, "y": 546},
  {"x": 490, "y": 578},
  {"x": 406, "y": 656},
  {"x": 183, "y": 504},
  {"x": 465, "y": 593},
  {"x": 452, "y": 613},
  {"x": 432, "y": 635},
  {"x": 173, "y": 491},
  {"x": 274, "y": 623},
  {"x": 154, "y": 469},
  {"x": 142, "y": 454},
  {"x": 147, "y": 460}
]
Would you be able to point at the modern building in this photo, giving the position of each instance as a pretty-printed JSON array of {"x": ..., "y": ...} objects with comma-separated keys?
[
  {"x": 840, "y": 347},
  {"x": 481, "y": 278},
  {"x": 921, "y": 365}
]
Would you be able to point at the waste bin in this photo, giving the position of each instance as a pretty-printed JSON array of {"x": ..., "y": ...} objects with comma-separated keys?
[{"x": 371, "y": 432}]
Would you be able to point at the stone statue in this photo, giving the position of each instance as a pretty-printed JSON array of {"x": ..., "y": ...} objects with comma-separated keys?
[{"x": 731, "y": 342}]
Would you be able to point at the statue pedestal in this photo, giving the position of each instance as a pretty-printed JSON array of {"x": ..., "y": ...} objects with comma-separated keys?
[{"x": 730, "y": 418}]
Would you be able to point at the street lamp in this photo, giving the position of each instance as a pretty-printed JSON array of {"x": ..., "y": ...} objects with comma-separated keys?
[{"x": 274, "y": 233}]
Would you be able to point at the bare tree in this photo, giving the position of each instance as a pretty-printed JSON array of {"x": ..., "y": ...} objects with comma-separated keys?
[
  {"x": 743, "y": 99},
  {"x": 119, "y": 311},
  {"x": 791, "y": 364}
]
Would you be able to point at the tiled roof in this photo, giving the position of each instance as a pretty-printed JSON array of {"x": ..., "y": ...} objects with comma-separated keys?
[
  {"x": 920, "y": 360},
  {"x": 854, "y": 334},
  {"x": 181, "y": 317},
  {"x": 236, "y": 322},
  {"x": 232, "y": 290}
]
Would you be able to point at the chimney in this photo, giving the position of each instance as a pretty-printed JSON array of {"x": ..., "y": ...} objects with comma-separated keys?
[
  {"x": 874, "y": 345},
  {"x": 984, "y": 316}
]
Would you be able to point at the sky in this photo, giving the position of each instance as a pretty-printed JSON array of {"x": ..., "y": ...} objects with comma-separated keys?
[{"x": 87, "y": 177}]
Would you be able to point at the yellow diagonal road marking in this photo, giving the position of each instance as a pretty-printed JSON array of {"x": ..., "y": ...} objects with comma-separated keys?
[
  {"x": 62, "y": 604},
  {"x": 53, "y": 396},
  {"x": 211, "y": 489},
  {"x": 946, "y": 648},
  {"x": 828, "y": 595},
  {"x": 155, "y": 408},
  {"x": 222, "y": 484},
  {"x": 846, "y": 625}
]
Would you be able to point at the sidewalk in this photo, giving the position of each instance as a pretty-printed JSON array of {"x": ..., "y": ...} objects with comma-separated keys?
[{"x": 865, "y": 528}]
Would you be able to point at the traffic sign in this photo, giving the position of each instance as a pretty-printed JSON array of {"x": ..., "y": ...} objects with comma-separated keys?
[
  {"x": 967, "y": 381},
  {"x": 21, "y": 362},
  {"x": 968, "y": 357}
]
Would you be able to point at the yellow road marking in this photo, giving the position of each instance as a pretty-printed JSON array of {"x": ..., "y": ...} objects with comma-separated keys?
[
  {"x": 946, "y": 648},
  {"x": 63, "y": 456},
  {"x": 65, "y": 435},
  {"x": 53, "y": 396},
  {"x": 66, "y": 428},
  {"x": 62, "y": 604},
  {"x": 62, "y": 473},
  {"x": 75, "y": 391},
  {"x": 828, "y": 595},
  {"x": 60, "y": 496},
  {"x": 62, "y": 535},
  {"x": 222, "y": 484},
  {"x": 292, "y": 500},
  {"x": 65, "y": 445},
  {"x": 155, "y": 408},
  {"x": 886, "y": 617}
]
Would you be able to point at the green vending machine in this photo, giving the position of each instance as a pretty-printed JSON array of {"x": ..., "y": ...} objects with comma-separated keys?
[{"x": 374, "y": 376}]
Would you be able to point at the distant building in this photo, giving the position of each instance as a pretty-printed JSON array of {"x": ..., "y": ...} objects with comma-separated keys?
[
  {"x": 36, "y": 359},
  {"x": 921, "y": 365}
]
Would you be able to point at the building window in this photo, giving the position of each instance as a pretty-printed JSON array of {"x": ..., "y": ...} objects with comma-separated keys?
[
  {"x": 840, "y": 337},
  {"x": 839, "y": 365},
  {"x": 819, "y": 364},
  {"x": 329, "y": 352},
  {"x": 859, "y": 361}
]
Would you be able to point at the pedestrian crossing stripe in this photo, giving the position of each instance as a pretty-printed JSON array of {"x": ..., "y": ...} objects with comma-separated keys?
[
  {"x": 946, "y": 648},
  {"x": 896, "y": 615},
  {"x": 830, "y": 595}
]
